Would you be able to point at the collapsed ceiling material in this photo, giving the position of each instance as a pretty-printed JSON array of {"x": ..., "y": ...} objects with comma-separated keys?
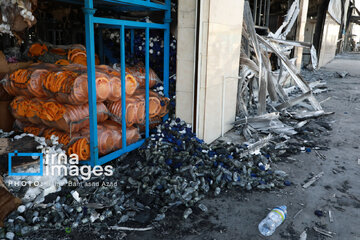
[{"x": 263, "y": 77}]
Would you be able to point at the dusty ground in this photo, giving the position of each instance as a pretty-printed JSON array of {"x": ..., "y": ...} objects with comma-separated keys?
[{"x": 235, "y": 215}]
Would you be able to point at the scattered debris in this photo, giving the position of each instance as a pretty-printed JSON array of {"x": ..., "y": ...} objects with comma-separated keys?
[
  {"x": 307, "y": 115},
  {"x": 312, "y": 180},
  {"x": 172, "y": 168},
  {"x": 303, "y": 235},
  {"x": 269, "y": 224},
  {"x": 324, "y": 232},
  {"x": 320, "y": 155},
  {"x": 343, "y": 74},
  {"x": 130, "y": 229},
  {"x": 319, "y": 213},
  {"x": 331, "y": 217},
  {"x": 296, "y": 214}
]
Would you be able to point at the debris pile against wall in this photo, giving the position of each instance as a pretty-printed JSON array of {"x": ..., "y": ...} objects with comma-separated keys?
[
  {"x": 173, "y": 168},
  {"x": 273, "y": 97},
  {"x": 270, "y": 80}
]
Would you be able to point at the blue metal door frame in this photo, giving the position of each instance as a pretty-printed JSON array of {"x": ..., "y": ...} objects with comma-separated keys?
[{"x": 90, "y": 20}]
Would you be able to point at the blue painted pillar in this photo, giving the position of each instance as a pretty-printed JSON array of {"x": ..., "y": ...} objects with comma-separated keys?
[
  {"x": 90, "y": 49},
  {"x": 147, "y": 68},
  {"x": 167, "y": 21},
  {"x": 123, "y": 86}
]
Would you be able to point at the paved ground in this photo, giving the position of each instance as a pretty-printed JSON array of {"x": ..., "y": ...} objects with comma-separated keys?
[{"x": 236, "y": 214}]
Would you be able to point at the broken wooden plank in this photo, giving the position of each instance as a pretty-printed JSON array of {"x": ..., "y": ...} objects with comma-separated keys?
[
  {"x": 8, "y": 202},
  {"x": 312, "y": 180}
]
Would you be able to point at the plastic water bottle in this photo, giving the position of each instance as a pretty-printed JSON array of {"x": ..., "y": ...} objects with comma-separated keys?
[{"x": 268, "y": 226}]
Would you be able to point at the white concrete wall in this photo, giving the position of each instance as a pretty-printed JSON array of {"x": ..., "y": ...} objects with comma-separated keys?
[
  {"x": 219, "y": 56},
  {"x": 329, "y": 40},
  {"x": 185, "y": 60}
]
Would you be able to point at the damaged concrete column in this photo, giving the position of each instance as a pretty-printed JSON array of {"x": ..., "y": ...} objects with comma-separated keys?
[
  {"x": 185, "y": 60},
  {"x": 300, "y": 30},
  {"x": 219, "y": 55}
]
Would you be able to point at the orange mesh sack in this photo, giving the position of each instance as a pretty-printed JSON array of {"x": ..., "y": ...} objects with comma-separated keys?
[
  {"x": 69, "y": 118},
  {"x": 19, "y": 81},
  {"x": 30, "y": 128},
  {"x": 9, "y": 87},
  {"x": 106, "y": 139},
  {"x": 35, "y": 83},
  {"x": 132, "y": 133},
  {"x": 34, "y": 110},
  {"x": 81, "y": 147},
  {"x": 131, "y": 111},
  {"x": 158, "y": 105},
  {"x": 138, "y": 71},
  {"x": 37, "y": 49},
  {"x": 64, "y": 138},
  {"x": 28, "y": 82},
  {"x": 115, "y": 82},
  {"x": 109, "y": 139},
  {"x": 78, "y": 56},
  {"x": 70, "y": 87},
  {"x": 20, "y": 107}
]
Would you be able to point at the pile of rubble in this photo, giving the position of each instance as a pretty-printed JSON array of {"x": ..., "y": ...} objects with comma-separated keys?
[{"x": 173, "y": 168}]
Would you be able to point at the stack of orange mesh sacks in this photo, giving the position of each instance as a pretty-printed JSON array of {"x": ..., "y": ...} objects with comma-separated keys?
[{"x": 53, "y": 100}]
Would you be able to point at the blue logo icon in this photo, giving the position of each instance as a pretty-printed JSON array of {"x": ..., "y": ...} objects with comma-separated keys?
[{"x": 16, "y": 154}]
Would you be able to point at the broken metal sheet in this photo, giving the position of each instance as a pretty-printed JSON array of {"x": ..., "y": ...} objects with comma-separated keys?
[
  {"x": 291, "y": 43},
  {"x": 278, "y": 88},
  {"x": 317, "y": 84},
  {"x": 269, "y": 79},
  {"x": 301, "y": 124},
  {"x": 267, "y": 116},
  {"x": 312, "y": 180},
  {"x": 268, "y": 123},
  {"x": 314, "y": 59},
  {"x": 302, "y": 84},
  {"x": 324, "y": 232},
  {"x": 249, "y": 22},
  {"x": 289, "y": 21},
  {"x": 245, "y": 61},
  {"x": 335, "y": 10},
  {"x": 294, "y": 101},
  {"x": 274, "y": 126},
  {"x": 306, "y": 115},
  {"x": 254, "y": 149}
]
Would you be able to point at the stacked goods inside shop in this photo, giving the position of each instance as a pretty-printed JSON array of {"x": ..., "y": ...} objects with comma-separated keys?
[
  {"x": 52, "y": 99},
  {"x": 45, "y": 83}
]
